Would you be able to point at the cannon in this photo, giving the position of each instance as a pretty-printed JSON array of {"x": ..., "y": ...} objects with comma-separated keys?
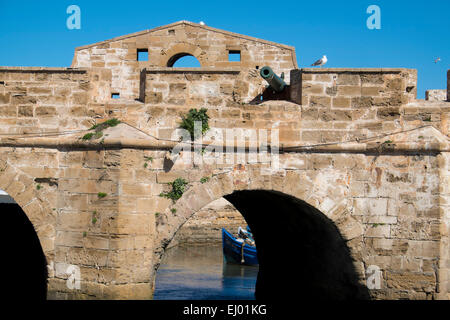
[{"x": 275, "y": 82}]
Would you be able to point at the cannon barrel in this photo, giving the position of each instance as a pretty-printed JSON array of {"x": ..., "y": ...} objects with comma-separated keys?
[{"x": 275, "y": 82}]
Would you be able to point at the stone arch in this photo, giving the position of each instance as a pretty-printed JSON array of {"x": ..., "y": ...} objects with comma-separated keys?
[
  {"x": 21, "y": 187},
  {"x": 183, "y": 49},
  {"x": 245, "y": 183},
  {"x": 179, "y": 56}
]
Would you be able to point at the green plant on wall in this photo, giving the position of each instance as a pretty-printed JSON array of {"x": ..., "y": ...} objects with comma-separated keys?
[
  {"x": 178, "y": 188},
  {"x": 94, "y": 217},
  {"x": 147, "y": 159},
  {"x": 99, "y": 129},
  {"x": 88, "y": 136},
  {"x": 193, "y": 116},
  {"x": 204, "y": 179},
  {"x": 108, "y": 123}
]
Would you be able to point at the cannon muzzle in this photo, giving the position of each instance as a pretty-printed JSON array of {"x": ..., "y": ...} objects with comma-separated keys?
[{"x": 275, "y": 82}]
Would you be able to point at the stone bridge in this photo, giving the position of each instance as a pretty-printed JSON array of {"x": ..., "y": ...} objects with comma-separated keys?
[{"x": 344, "y": 179}]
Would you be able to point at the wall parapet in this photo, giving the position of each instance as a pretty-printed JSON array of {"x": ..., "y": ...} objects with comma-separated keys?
[
  {"x": 436, "y": 95},
  {"x": 204, "y": 70},
  {"x": 353, "y": 87},
  {"x": 200, "y": 87}
]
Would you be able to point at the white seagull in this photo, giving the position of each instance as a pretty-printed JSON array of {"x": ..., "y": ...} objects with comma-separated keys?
[{"x": 320, "y": 62}]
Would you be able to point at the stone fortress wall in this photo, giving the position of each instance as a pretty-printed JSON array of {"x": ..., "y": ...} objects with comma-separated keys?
[{"x": 355, "y": 144}]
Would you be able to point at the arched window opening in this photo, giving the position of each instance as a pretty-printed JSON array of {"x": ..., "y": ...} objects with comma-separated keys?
[{"x": 183, "y": 60}]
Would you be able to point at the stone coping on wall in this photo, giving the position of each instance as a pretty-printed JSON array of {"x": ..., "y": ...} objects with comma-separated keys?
[
  {"x": 124, "y": 136},
  {"x": 205, "y": 70},
  {"x": 139, "y": 33},
  {"x": 355, "y": 70},
  {"x": 43, "y": 69}
]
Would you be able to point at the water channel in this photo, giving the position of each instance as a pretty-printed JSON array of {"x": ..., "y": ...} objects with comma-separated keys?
[{"x": 198, "y": 272}]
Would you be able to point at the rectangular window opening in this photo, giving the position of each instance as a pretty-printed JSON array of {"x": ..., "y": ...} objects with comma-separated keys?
[
  {"x": 234, "y": 55},
  {"x": 171, "y": 32},
  {"x": 115, "y": 95},
  {"x": 142, "y": 54}
]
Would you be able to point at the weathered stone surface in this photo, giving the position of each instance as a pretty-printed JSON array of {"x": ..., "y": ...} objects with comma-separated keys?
[
  {"x": 436, "y": 95},
  {"x": 360, "y": 149}
]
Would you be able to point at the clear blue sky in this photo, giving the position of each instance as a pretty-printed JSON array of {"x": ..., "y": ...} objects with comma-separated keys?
[{"x": 413, "y": 32}]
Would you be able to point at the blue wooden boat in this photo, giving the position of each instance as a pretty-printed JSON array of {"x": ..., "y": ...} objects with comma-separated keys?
[{"x": 238, "y": 252}]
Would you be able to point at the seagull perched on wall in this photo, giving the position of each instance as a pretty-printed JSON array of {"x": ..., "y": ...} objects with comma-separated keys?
[{"x": 320, "y": 62}]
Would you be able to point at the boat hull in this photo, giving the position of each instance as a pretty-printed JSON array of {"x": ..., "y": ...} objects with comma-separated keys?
[{"x": 232, "y": 251}]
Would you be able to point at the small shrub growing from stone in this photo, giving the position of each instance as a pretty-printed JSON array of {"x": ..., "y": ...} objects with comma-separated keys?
[
  {"x": 204, "y": 179},
  {"x": 178, "y": 188},
  {"x": 88, "y": 136},
  {"x": 108, "y": 123},
  {"x": 192, "y": 116}
]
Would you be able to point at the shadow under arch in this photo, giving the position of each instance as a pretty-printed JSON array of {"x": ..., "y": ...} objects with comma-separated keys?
[
  {"x": 24, "y": 264},
  {"x": 301, "y": 252}
]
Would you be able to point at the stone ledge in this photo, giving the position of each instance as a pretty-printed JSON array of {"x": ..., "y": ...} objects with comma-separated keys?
[
  {"x": 43, "y": 69},
  {"x": 185, "y": 22},
  {"x": 124, "y": 143},
  {"x": 205, "y": 70},
  {"x": 355, "y": 70}
]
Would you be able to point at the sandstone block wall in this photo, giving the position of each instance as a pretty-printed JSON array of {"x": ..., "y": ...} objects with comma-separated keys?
[
  {"x": 36, "y": 100},
  {"x": 201, "y": 87},
  {"x": 436, "y": 95},
  {"x": 165, "y": 44},
  {"x": 387, "y": 207},
  {"x": 391, "y": 207},
  {"x": 356, "y": 88},
  {"x": 205, "y": 226}
]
